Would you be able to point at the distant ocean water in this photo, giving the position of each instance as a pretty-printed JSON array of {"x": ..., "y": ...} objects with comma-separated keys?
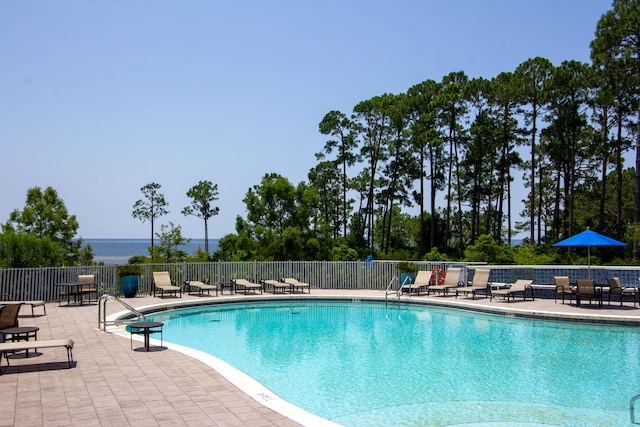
[{"x": 118, "y": 251}]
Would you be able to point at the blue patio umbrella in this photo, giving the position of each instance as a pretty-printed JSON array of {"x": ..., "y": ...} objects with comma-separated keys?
[{"x": 588, "y": 239}]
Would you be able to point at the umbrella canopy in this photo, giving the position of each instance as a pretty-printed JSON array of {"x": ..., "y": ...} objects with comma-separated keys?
[{"x": 588, "y": 239}]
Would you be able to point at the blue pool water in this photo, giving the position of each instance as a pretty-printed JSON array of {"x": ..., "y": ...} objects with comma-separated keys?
[{"x": 368, "y": 364}]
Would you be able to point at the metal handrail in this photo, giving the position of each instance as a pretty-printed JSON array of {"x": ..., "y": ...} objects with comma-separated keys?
[
  {"x": 387, "y": 291},
  {"x": 102, "y": 310},
  {"x": 407, "y": 278},
  {"x": 631, "y": 408}
]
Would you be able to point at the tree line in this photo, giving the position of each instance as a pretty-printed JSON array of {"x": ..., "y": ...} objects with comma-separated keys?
[
  {"x": 450, "y": 150},
  {"x": 44, "y": 234}
]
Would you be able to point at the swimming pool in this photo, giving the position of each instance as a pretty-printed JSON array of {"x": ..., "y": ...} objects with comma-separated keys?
[{"x": 369, "y": 364}]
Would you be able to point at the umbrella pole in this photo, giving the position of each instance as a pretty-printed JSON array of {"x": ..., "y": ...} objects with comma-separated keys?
[{"x": 589, "y": 259}]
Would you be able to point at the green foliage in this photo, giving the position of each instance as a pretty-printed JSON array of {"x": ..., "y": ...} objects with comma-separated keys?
[
  {"x": 406, "y": 267},
  {"x": 200, "y": 255},
  {"x": 138, "y": 259},
  {"x": 435, "y": 255},
  {"x": 170, "y": 240},
  {"x": 202, "y": 195},
  {"x": 278, "y": 222},
  {"x": 85, "y": 255},
  {"x": 45, "y": 217},
  {"x": 24, "y": 250},
  {"x": 344, "y": 253},
  {"x": 151, "y": 207},
  {"x": 485, "y": 249},
  {"x": 528, "y": 254},
  {"x": 129, "y": 270}
]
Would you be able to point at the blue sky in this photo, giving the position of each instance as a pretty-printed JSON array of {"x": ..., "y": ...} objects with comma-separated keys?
[{"x": 99, "y": 98}]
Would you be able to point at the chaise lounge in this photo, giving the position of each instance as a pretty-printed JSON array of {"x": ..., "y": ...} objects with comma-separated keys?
[
  {"x": 12, "y": 347},
  {"x": 162, "y": 283},
  {"x": 480, "y": 283},
  {"x": 200, "y": 287},
  {"x": 246, "y": 286},
  {"x": 451, "y": 281},
  {"x": 296, "y": 284},
  {"x": 276, "y": 286},
  {"x": 420, "y": 283},
  {"x": 520, "y": 286}
]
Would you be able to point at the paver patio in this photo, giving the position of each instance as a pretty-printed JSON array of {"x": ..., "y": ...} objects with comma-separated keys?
[{"x": 111, "y": 385}]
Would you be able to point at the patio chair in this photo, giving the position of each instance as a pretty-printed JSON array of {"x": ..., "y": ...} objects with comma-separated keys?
[
  {"x": 88, "y": 286},
  {"x": 615, "y": 288},
  {"x": 246, "y": 286},
  {"x": 296, "y": 284},
  {"x": 200, "y": 287},
  {"x": 520, "y": 285},
  {"x": 586, "y": 289},
  {"x": 9, "y": 315},
  {"x": 421, "y": 282},
  {"x": 563, "y": 287},
  {"x": 451, "y": 280},
  {"x": 162, "y": 282},
  {"x": 276, "y": 286},
  {"x": 33, "y": 304},
  {"x": 480, "y": 282}
]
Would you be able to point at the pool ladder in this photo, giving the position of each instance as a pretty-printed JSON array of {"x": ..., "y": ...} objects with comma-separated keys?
[
  {"x": 399, "y": 291},
  {"x": 102, "y": 310}
]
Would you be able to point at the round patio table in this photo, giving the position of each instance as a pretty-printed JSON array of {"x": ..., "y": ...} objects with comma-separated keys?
[
  {"x": 21, "y": 333},
  {"x": 146, "y": 329}
]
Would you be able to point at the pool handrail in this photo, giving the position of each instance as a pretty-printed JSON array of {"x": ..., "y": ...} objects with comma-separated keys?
[
  {"x": 389, "y": 290},
  {"x": 102, "y": 310}
]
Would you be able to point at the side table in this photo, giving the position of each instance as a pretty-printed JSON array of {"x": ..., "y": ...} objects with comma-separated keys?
[
  {"x": 21, "y": 333},
  {"x": 146, "y": 329},
  {"x": 230, "y": 286}
]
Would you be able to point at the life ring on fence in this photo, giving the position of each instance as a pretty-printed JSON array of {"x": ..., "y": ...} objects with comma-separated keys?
[{"x": 437, "y": 276}]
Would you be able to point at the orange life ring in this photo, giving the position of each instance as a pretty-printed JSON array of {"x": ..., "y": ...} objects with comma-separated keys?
[{"x": 437, "y": 276}]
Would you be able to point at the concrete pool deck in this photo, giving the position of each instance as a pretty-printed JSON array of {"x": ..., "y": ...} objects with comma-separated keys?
[{"x": 109, "y": 384}]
